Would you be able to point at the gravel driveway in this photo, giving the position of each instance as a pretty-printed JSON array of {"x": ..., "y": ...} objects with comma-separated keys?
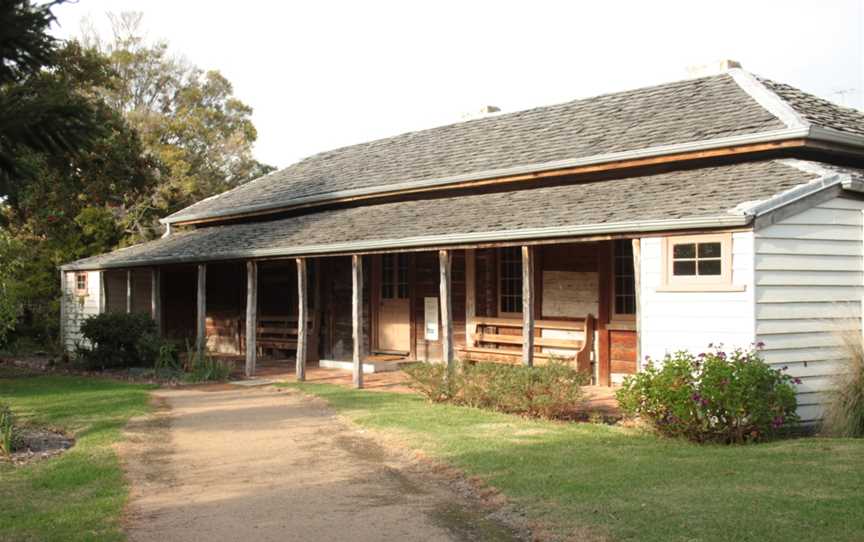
[{"x": 248, "y": 464}]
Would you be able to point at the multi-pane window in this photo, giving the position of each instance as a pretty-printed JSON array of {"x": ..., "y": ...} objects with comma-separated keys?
[
  {"x": 625, "y": 280},
  {"x": 394, "y": 276},
  {"x": 697, "y": 259},
  {"x": 510, "y": 280},
  {"x": 81, "y": 283}
]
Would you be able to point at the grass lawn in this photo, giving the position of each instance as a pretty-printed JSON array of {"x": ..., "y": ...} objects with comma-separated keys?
[
  {"x": 79, "y": 495},
  {"x": 621, "y": 484}
]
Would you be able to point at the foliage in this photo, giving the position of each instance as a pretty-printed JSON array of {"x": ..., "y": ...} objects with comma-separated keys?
[
  {"x": 119, "y": 340},
  {"x": 203, "y": 367},
  {"x": 79, "y": 495},
  {"x": 161, "y": 134},
  {"x": 37, "y": 113},
  {"x": 187, "y": 117},
  {"x": 167, "y": 359},
  {"x": 549, "y": 391},
  {"x": 7, "y": 430},
  {"x": 844, "y": 416},
  {"x": 713, "y": 397},
  {"x": 596, "y": 482}
]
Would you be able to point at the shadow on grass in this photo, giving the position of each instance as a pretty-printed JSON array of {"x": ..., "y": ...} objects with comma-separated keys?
[{"x": 632, "y": 485}]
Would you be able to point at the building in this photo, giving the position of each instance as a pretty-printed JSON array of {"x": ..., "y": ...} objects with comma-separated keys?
[{"x": 723, "y": 209}]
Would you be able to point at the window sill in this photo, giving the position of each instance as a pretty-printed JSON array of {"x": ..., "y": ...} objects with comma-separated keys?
[
  {"x": 622, "y": 325},
  {"x": 702, "y": 288}
]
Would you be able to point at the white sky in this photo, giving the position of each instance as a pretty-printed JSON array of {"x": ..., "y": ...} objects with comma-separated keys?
[{"x": 322, "y": 74}]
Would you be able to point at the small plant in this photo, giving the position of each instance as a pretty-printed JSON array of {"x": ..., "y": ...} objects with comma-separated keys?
[
  {"x": 202, "y": 367},
  {"x": 844, "y": 415},
  {"x": 713, "y": 397},
  {"x": 167, "y": 360},
  {"x": 119, "y": 340},
  {"x": 549, "y": 391},
  {"x": 8, "y": 435}
]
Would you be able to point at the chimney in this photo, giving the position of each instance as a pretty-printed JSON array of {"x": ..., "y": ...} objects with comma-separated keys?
[
  {"x": 712, "y": 68},
  {"x": 485, "y": 111}
]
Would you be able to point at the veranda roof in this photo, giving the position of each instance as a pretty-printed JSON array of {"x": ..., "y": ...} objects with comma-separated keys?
[{"x": 708, "y": 197}]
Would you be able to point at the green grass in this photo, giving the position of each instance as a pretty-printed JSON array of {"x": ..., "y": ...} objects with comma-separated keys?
[
  {"x": 627, "y": 485},
  {"x": 79, "y": 495}
]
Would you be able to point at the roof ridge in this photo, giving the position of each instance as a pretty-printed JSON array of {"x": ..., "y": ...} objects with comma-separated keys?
[{"x": 768, "y": 99}]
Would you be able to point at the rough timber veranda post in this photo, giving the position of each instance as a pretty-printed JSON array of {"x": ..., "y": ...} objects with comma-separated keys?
[
  {"x": 302, "y": 318},
  {"x": 357, "y": 318}
]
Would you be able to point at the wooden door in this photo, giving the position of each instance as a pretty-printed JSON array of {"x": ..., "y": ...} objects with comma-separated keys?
[{"x": 394, "y": 306}]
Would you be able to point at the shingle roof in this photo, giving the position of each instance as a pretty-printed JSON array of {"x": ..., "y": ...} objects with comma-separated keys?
[
  {"x": 679, "y": 195},
  {"x": 674, "y": 113},
  {"x": 817, "y": 110}
]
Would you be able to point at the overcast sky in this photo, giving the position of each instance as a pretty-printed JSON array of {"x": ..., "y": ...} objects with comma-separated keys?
[{"x": 322, "y": 74}]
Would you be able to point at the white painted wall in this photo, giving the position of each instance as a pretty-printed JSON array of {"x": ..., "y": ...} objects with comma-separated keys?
[
  {"x": 809, "y": 283},
  {"x": 78, "y": 307},
  {"x": 672, "y": 321}
]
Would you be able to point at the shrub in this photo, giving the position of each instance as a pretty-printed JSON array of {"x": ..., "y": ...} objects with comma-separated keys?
[
  {"x": 844, "y": 415},
  {"x": 713, "y": 397},
  {"x": 8, "y": 435},
  {"x": 549, "y": 391},
  {"x": 432, "y": 381},
  {"x": 119, "y": 340}
]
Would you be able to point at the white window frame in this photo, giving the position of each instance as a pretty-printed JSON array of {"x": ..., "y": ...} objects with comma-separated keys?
[
  {"x": 697, "y": 283},
  {"x": 81, "y": 291}
]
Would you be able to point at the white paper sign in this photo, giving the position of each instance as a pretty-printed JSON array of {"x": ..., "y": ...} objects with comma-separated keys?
[{"x": 430, "y": 317}]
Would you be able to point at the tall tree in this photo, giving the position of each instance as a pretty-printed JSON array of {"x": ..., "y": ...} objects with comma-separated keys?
[
  {"x": 188, "y": 118},
  {"x": 35, "y": 114},
  {"x": 77, "y": 203}
]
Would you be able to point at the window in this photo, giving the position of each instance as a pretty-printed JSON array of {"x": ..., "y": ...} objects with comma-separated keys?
[
  {"x": 510, "y": 281},
  {"x": 81, "y": 283},
  {"x": 624, "y": 287},
  {"x": 698, "y": 262},
  {"x": 394, "y": 276}
]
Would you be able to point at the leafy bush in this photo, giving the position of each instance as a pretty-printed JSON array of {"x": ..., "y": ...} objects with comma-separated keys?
[
  {"x": 8, "y": 435},
  {"x": 844, "y": 416},
  {"x": 713, "y": 397},
  {"x": 119, "y": 340},
  {"x": 549, "y": 391},
  {"x": 202, "y": 367}
]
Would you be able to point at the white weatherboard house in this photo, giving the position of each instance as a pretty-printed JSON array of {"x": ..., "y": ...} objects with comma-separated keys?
[{"x": 725, "y": 209}]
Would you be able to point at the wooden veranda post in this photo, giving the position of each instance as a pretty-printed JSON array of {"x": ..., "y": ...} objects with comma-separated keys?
[
  {"x": 357, "y": 317},
  {"x": 128, "y": 291},
  {"x": 103, "y": 301},
  {"x": 201, "y": 314},
  {"x": 637, "y": 288},
  {"x": 156, "y": 298},
  {"x": 528, "y": 306},
  {"x": 251, "y": 316},
  {"x": 470, "y": 295},
  {"x": 447, "y": 355},
  {"x": 302, "y": 324}
]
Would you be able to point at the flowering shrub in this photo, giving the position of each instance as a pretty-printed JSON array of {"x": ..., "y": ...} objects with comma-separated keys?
[
  {"x": 548, "y": 391},
  {"x": 713, "y": 397}
]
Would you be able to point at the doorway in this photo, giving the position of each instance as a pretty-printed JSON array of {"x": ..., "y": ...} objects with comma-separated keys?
[{"x": 394, "y": 305}]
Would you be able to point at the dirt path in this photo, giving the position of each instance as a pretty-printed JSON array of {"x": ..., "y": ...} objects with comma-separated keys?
[{"x": 233, "y": 463}]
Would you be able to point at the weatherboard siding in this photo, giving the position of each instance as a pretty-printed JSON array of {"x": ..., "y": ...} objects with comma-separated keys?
[
  {"x": 672, "y": 321},
  {"x": 78, "y": 307},
  {"x": 809, "y": 272}
]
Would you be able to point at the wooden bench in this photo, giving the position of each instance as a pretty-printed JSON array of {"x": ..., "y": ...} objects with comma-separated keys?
[
  {"x": 274, "y": 332},
  {"x": 490, "y": 341}
]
